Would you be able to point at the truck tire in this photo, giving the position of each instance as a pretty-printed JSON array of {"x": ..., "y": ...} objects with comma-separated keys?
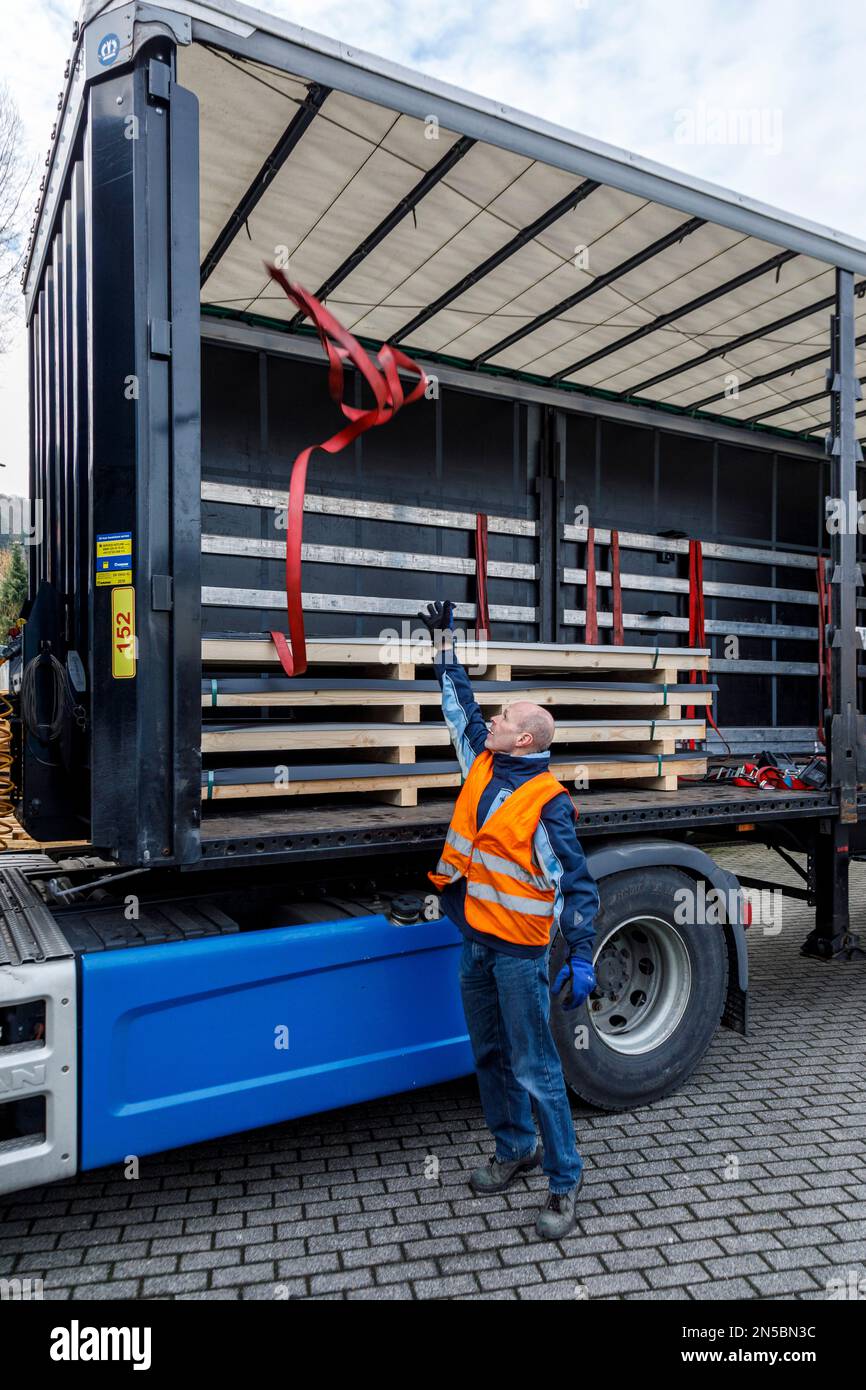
[{"x": 661, "y": 991}]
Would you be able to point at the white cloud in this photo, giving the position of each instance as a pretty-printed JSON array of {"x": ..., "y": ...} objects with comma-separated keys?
[{"x": 619, "y": 70}]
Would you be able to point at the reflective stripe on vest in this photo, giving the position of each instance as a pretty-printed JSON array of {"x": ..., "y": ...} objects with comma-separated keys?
[
  {"x": 459, "y": 842},
  {"x": 508, "y": 900},
  {"x": 497, "y": 858},
  {"x": 507, "y": 866}
]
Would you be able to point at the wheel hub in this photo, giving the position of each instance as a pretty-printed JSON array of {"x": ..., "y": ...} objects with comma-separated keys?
[{"x": 644, "y": 983}]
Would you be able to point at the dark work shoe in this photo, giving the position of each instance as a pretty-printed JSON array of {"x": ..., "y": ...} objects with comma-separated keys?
[
  {"x": 497, "y": 1176},
  {"x": 559, "y": 1217}
]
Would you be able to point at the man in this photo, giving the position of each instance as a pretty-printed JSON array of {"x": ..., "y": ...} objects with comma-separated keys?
[{"x": 512, "y": 873}]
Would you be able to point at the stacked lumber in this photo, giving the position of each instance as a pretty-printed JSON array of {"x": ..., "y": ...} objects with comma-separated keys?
[
  {"x": 14, "y": 838},
  {"x": 357, "y": 724}
]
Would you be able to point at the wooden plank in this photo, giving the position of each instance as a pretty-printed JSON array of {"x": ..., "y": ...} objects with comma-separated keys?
[
  {"x": 658, "y": 584},
  {"x": 417, "y": 561},
  {"x": 262, "y": 737},
  {"x": 371, "y": 651},
  {"x": 215, "y": 596},
  {"x": 229, "y": 693},
  {"x": 277, "y": 499},
  {"x": 712, "y": 550},
  {"x": 576, "y": 617}
]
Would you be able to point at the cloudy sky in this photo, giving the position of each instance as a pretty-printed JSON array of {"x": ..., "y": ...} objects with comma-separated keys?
[{"x": 649, "y": 75}]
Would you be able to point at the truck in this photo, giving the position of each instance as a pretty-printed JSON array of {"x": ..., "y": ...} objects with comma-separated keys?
[{"x": 622, "y": 361}]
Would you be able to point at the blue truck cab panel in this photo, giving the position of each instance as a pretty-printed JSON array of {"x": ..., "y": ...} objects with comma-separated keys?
[{"x": 192, "y": 1040}]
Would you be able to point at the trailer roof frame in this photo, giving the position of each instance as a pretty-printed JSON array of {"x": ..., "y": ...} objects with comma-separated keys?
[
  {"x": 287, "y": 46},
  {"x": 234, "y": 30}
]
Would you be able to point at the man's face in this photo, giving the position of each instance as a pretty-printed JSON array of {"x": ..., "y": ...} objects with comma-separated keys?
[{"x": 507, "y": 734}]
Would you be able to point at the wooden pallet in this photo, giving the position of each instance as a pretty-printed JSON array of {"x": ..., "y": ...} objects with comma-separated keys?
[{"x": 13, "y": 837}]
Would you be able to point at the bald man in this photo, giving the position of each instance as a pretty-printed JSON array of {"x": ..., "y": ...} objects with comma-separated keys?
[{"x": 511, "y": 876}]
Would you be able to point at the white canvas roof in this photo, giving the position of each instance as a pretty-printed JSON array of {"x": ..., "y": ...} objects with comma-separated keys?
[{"x": 505, "y": 243}]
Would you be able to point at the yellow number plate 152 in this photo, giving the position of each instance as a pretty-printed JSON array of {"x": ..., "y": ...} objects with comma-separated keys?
[{"x": 123, "y": 632}]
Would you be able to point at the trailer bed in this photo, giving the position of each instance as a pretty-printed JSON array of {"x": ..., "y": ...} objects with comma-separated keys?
[{"x": 301, "y": 834}]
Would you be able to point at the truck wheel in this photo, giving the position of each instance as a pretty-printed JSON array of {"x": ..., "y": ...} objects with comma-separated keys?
[{"x": 661, "y": 991}]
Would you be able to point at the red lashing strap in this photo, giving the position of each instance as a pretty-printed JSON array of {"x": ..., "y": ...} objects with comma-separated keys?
[
  {"x": 591, "y": 629},
  {"x": 825, "y": 668},
  {"x": 697, "y": 629},
  {"x": 616, "y": 586},
  {"x": 384, "y": 382},
  {"x": 482, "y": 614}
]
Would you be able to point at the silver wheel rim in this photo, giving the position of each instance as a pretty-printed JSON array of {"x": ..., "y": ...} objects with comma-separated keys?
[{"x": 644, "y": 982}]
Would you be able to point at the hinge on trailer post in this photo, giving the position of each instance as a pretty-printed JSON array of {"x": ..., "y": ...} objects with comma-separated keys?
[
  {"x": 833, "y": 382},
  {"x": 852, "y": 575},
  {"x": 160, "y": 338},
  {"x": 848, "y": 745},
  {"x": 161, "y": 593},
  {"x": 158, "y": 81}
]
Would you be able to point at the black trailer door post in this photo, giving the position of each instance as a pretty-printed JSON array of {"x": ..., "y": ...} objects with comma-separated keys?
[
  {"x": 844, "y": 726},
  {"x": 144, "y": 456},
  {"x": 546, "y": 436}
]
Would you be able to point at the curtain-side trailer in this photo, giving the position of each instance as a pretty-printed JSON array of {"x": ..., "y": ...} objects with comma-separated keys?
[{"x": 614, "y": 349}]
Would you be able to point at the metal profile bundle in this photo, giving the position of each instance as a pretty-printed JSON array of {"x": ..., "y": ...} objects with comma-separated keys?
[{"x": 377, "y": 728}]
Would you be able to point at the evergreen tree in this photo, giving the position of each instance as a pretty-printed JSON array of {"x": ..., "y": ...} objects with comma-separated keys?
[{"x": 13, "y": 591}]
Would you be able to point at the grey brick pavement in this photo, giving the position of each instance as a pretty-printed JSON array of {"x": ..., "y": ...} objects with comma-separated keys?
[{"x": 337, "y": 1206}]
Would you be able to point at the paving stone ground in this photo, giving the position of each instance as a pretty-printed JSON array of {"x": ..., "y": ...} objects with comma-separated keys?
[{"x": 341, "y": 1205}]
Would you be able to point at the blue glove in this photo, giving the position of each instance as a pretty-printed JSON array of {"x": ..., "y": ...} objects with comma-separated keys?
[{"x": 580, "y": 975}]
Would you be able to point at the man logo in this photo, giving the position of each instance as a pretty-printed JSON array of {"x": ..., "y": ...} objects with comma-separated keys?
[
  {"x": 107, "y": 50},
  {"x": 77, "y": 1343}
]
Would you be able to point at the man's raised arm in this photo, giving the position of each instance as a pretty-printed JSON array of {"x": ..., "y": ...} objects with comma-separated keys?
[{"x": 466, "y": 723}]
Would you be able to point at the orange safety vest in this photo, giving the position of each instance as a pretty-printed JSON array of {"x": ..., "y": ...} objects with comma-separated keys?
[{"x": 507, "y": 894}]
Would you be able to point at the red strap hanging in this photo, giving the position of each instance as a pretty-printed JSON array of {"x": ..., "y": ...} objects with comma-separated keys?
[
  {"x": 384, "y": 382},
  {"x": 697, "y": 629},
  {"x": 616, "y": 588},
  {"x": 591, "y": 620},
  {"x": 825, "y": 667},
  {"x": 482, "y": 615}
]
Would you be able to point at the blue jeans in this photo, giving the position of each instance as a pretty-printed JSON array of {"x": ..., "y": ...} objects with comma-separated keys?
[{"x": 506, "y": 1000}]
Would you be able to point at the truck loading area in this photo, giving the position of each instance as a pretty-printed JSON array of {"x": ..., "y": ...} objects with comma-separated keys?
[
  {"x": 643, "y": 408},
  {"x": 617, "y": 351}
]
